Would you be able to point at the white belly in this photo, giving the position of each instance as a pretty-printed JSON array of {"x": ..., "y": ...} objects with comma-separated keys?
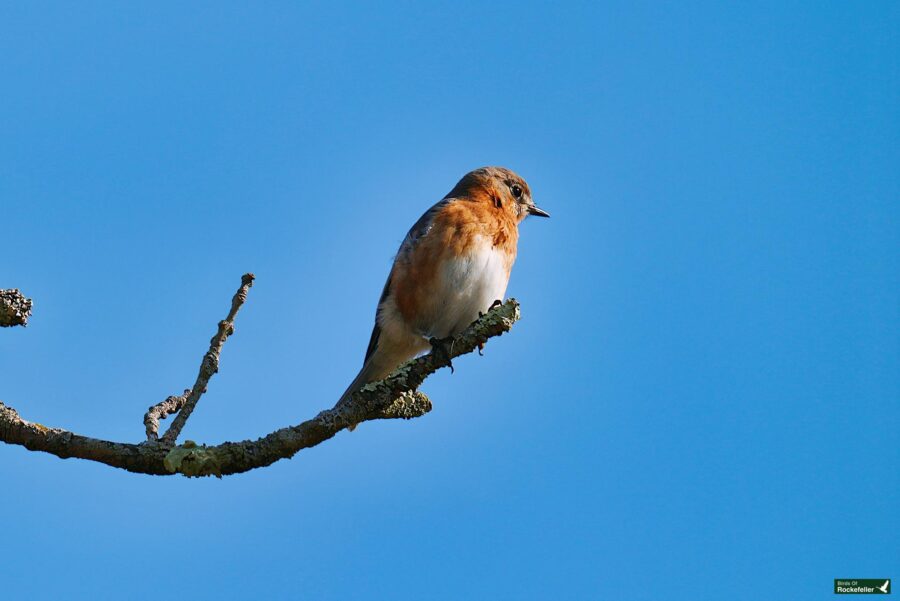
[{"x": 466, "y": 286}]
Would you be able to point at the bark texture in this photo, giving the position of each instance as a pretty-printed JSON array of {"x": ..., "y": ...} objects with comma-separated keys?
[
  {"x": 15, "y": 309},
  {"x": 395, "y": 397}
]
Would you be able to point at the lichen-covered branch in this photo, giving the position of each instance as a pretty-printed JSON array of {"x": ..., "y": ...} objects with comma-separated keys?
[
  {"x": 15, "y": 309},
  {"x": 395, "y": 397},
  {"x": 143, "y": 459}
]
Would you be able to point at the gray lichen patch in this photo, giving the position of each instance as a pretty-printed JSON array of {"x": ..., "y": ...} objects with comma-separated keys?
[
  {"x": 408, "y": 405},
  {"x": 193, "y": 461}
]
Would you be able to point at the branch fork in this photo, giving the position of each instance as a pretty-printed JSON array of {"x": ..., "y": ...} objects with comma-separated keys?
[{"x": 185, "y": 403}]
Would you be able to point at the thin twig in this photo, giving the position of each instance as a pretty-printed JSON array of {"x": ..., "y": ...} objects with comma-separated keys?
[
  {"x": 162, "y": 410},
  {"x": 210, "y": 364}
]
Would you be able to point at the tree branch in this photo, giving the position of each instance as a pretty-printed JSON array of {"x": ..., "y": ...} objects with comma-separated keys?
[
  {"x": 395, "y": 397},
  {"x": 15, "y": 309}
]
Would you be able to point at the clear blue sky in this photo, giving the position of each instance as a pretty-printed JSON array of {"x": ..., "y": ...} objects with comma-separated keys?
[{"x": 701, "y": 399}]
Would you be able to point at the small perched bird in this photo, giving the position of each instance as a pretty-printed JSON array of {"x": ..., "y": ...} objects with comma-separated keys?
[{"x": 452, "y": 266}]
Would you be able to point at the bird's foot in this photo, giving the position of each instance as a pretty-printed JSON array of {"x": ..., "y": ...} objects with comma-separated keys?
[{"x": 442, "y": 348}]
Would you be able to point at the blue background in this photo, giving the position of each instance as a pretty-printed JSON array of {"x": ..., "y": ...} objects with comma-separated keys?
[{"x": 701, "y": 399}]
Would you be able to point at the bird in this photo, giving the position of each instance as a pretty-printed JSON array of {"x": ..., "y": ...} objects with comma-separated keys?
[
  {"x": 884, "y": 587},
  {"x": 452, "y": 266}
]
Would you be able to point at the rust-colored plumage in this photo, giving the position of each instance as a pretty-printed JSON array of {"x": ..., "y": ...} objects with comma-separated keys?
[{"x": 464, "y": 224}]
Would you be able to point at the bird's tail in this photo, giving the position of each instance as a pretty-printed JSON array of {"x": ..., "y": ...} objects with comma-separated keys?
[
  {"x": 368, "y": 373},
  {"x": 372, "y": 371},
  {"x": 379, "y": 365}
]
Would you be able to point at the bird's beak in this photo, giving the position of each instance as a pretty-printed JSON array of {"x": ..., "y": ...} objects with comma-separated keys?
[{"x": 533, "y": 210}]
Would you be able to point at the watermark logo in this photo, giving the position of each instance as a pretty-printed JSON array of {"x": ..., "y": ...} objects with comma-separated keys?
[{"x": 862, "y": 586}]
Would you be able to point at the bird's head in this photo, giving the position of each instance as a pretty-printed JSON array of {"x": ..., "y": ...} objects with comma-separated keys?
[{"x": 501, "y": 187}]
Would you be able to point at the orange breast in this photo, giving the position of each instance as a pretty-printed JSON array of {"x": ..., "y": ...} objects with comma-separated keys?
[{"x": 457, "y": 229}]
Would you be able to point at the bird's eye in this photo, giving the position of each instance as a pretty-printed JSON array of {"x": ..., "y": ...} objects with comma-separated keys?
[{"x": 516, "y": 190}]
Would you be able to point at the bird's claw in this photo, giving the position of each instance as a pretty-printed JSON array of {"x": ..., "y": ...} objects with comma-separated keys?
[{"x": 443, "y": 349}]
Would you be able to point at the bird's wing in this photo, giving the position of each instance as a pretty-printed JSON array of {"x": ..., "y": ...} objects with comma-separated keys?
[
  {"x": 376, "y": 331},
  {"x": 419, "y": 229}
]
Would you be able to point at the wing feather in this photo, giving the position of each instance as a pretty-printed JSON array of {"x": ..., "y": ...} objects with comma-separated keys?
[{"x": 419, "y": 230}]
